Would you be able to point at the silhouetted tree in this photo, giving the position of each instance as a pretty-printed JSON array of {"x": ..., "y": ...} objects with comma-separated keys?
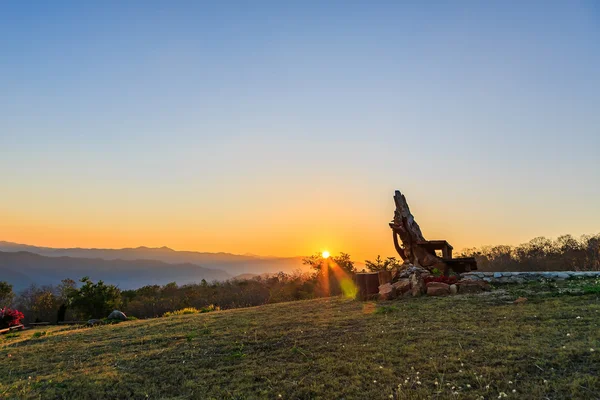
[
  {"x": 94, "y": 300},
  {"x": 382, "y": 265}
]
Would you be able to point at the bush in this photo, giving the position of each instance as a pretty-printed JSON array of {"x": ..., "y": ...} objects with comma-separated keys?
[
  {"x": 183, "y": 311},
  {"x": 192, "y": 310},
  {"x": 10, "y": 317}
]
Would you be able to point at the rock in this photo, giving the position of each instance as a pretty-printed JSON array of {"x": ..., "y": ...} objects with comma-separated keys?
[
  {"x": 438, "y": 289},
  {"x": 417, "y": 285},
  {"x": 468, "y": 286},
  {"x": 453, "y": 289},
  {"x": 438, "y": 284},
  {"x": 497, "y": 275},
  {"x": 387, "y": 292},
  {"x": 520, "y": 300},
  {"x": 562, "y": 275},
  {"x": 93, "y": 322},
  {"x": 402, "y": 286},
  {"x": 408, "y": 269},
  {"x": 116, "y": 314}
]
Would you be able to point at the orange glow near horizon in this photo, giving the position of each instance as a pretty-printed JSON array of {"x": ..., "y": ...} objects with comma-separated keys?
[{"x": 289, "y": 224}]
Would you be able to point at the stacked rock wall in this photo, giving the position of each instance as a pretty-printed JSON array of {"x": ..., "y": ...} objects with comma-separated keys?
[{"x": 524, "y": 277}]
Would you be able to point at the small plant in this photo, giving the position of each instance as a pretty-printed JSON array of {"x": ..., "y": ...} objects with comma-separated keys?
[
  {"x": 239, "y": 352},
  {"x": 10, "y": 317},
  {"x": 591, "y": 289},
  {"x": 210, "y": 308},
  {"x": 39, "y": 334},
  {"x": 191, "y": 336},
  {"x": 12, "y": 335},
  {"x": 386, "y": 309}
]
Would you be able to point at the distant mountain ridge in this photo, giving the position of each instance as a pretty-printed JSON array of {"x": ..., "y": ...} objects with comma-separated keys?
[
  {"x": 232, "y": 264},
  {"x": 22, "y": 268}
]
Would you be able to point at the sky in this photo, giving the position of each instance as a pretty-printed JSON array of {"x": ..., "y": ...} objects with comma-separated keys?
[{"x": 283, "y": 128}]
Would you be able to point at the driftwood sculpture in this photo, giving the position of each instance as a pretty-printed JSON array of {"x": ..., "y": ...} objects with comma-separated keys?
[{"x": 418, "y": 251}]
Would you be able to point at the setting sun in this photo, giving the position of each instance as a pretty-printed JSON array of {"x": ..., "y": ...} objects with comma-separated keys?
[{"x": 325, "y": 254}]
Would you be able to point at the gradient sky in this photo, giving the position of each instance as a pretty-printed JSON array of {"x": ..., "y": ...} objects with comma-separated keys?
[{"x": 283, "y": 128}]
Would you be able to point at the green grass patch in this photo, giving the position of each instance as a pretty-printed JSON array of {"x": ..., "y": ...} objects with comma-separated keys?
[{"x": 415, "y": 348}]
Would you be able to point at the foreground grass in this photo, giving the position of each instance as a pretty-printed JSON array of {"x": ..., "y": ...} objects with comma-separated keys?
[{"x": 458, "y": 347}]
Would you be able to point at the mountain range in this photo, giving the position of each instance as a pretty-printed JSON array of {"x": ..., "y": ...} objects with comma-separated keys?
[{"x": 22, "y": 264}]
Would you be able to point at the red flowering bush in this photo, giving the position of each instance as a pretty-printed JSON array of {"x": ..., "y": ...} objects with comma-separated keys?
[
  {"x": 444, "y": 279},
  {"x": 10, "y": 317}
]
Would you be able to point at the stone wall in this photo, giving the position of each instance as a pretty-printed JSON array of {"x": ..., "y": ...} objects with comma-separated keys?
[{"x": 523, "y": 277}]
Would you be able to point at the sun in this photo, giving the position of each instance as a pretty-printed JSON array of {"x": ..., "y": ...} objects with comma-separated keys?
[{"x": 325, "y": 254}]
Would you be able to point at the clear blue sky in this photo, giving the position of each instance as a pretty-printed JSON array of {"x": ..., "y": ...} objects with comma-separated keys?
[{"x": 276, "y": 127}]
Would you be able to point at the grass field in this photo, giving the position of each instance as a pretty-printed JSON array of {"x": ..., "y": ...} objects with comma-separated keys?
[{"x": 476, "y": 346}]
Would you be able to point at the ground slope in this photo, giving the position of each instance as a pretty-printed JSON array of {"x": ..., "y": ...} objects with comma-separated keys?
[{"x": 459, "y": 347}]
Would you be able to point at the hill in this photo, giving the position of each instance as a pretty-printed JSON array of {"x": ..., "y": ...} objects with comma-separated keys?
[
  {"x": 24, "y": 268},
  {"x": 469, "y": 347},
  {"x": 233, "y": 264}
]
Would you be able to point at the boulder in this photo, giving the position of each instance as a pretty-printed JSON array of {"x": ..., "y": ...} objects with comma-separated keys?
[
  {"x": 387, "y": 292},
  {"x": 116, "y": 314},
  {"x": 407, "y": 270},
  {"x": 93, "y": 322},
  {"x": 438, "y": 289},
  {"x": 402, "y": 286},
  {"x": 453, "y": 289},
  {"x": 417, "y": 285},
  {"x": 469, "y": 286}
]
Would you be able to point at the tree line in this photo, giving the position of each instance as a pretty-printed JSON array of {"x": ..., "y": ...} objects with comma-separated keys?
[
  {"x": 80, "y": 301},
  {"x": 87, "y": 299}
]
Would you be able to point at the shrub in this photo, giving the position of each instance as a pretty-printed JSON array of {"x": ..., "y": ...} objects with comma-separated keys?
[
  {"x": 183, "y": 311},
  {"x": 192, "y": 310},
  {"x": 10, "y": 317},
  {"x": 386, "y": 309}
]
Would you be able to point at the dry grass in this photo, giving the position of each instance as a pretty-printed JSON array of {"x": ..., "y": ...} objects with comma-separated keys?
[{"x": 471, "y": 346}]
